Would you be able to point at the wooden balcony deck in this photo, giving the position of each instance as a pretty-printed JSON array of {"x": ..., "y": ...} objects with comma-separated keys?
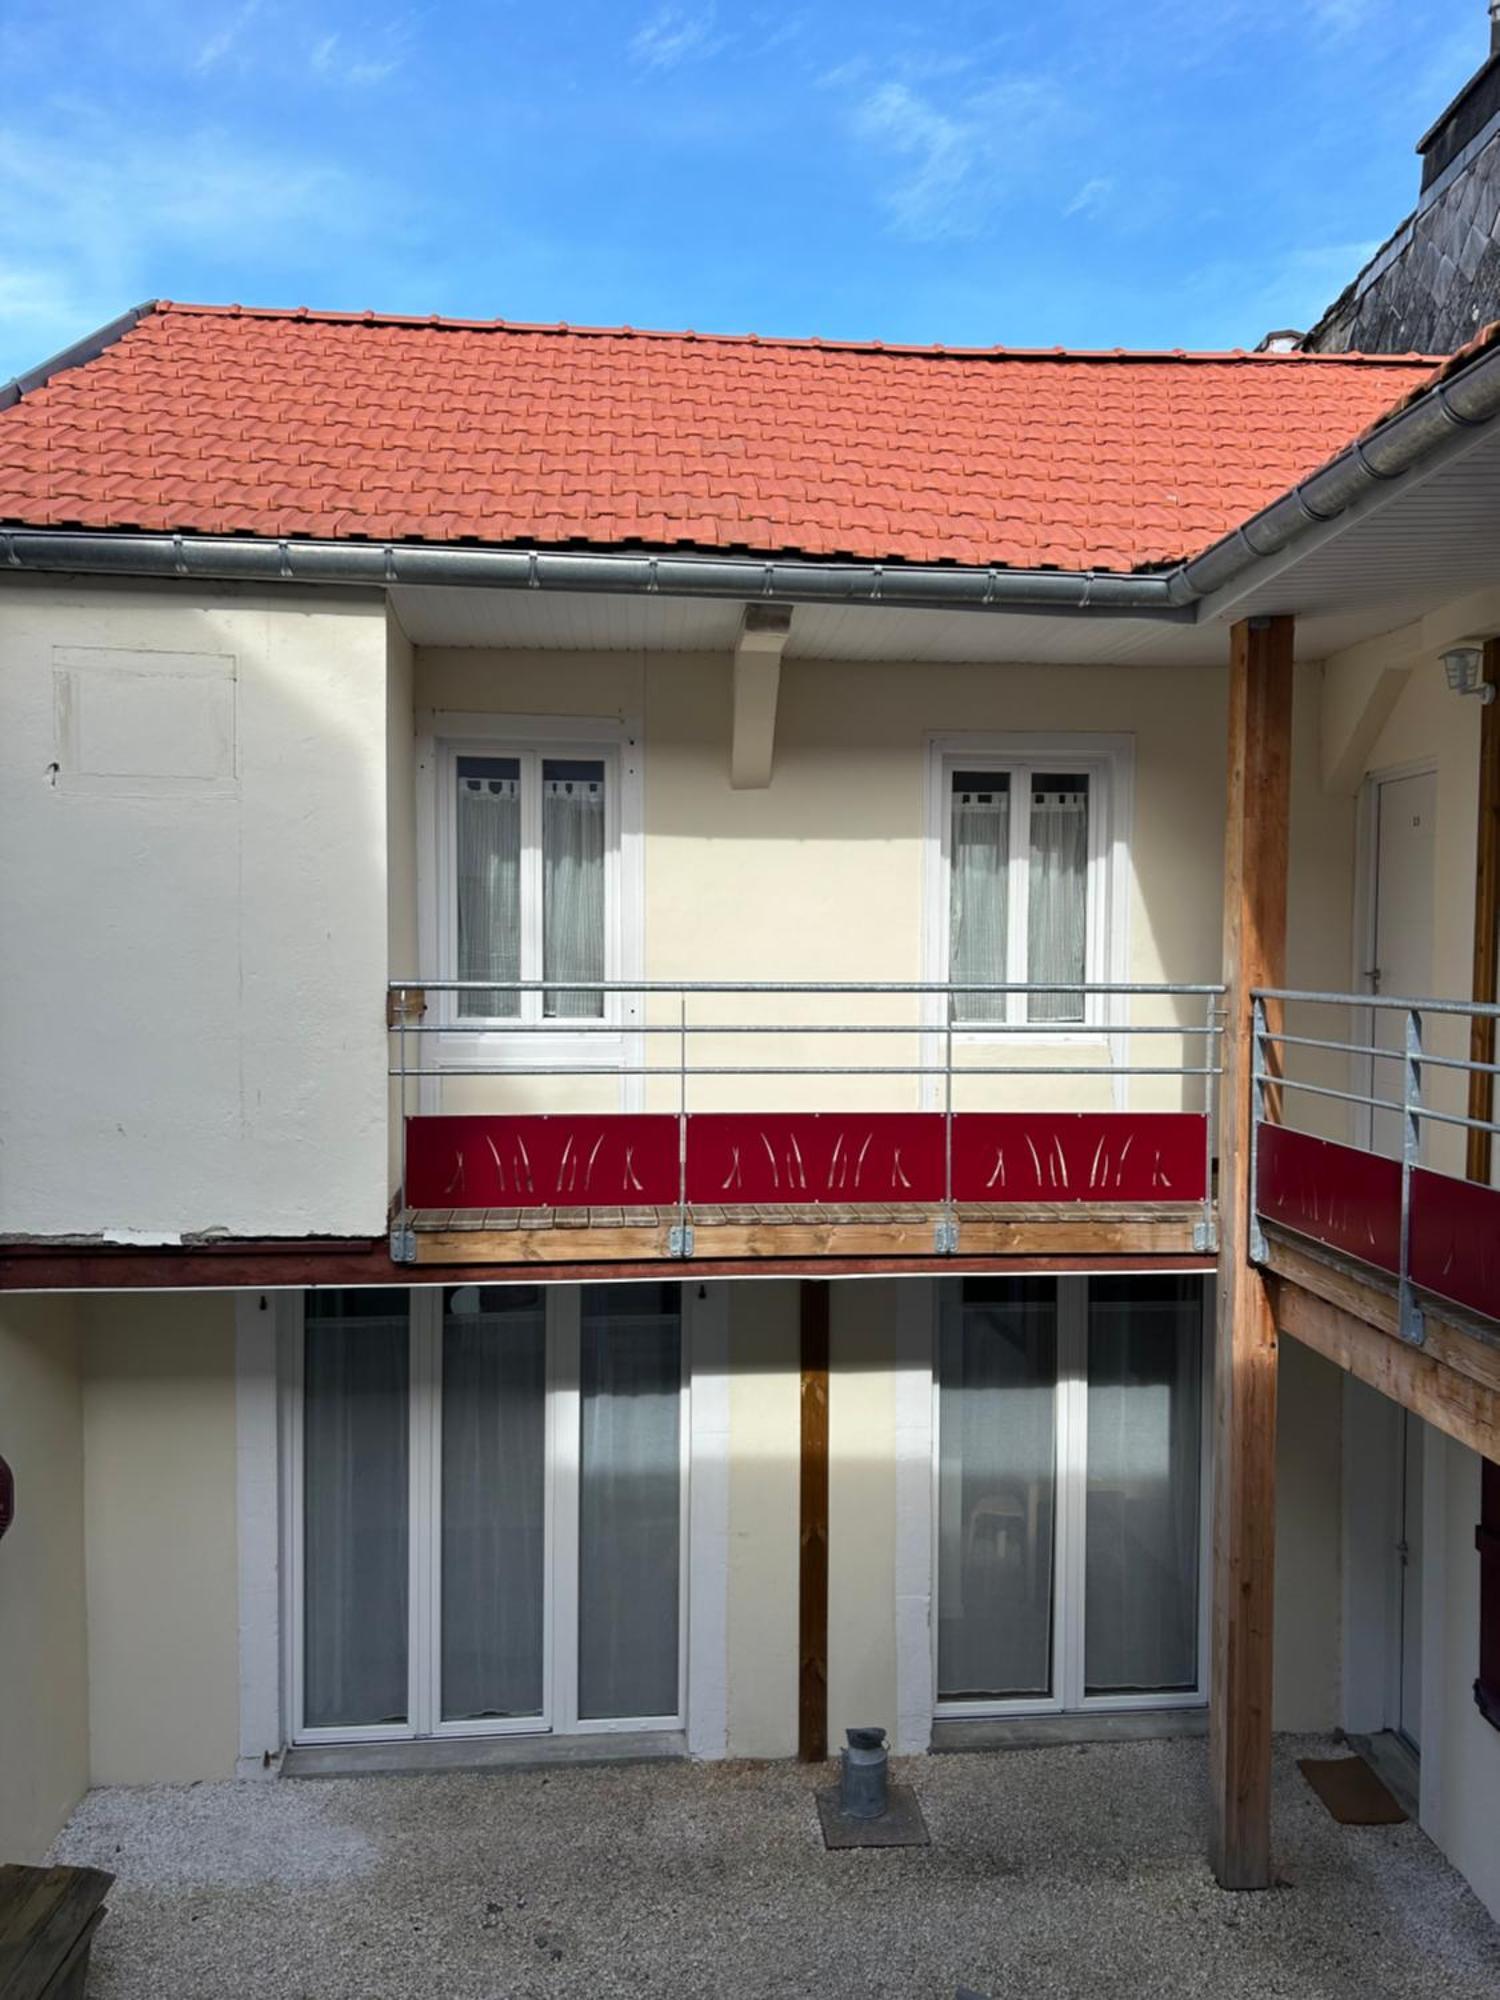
[{"x": 437, "y": 1236}]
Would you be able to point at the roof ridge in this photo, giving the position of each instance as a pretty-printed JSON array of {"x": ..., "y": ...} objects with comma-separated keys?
[{"x": 934, "y": 350}]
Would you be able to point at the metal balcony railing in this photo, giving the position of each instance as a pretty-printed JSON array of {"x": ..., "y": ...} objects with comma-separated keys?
[
  {"x": 1385, "y": 1191},
  {"x": 667, "y": 1035}
]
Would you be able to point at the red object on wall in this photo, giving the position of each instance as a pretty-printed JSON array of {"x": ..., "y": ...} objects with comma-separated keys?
[
  {"x": 1338, "y": 1195},
  {"x": 1455, "y": 1240},
  {"x": 843, "y": 1158},
  {"x": 7, "y": 1496},
  {"x": 1487, "y": 1541},
  {"x": 612, "y": 1161},
  {"x": 1083, "y": 1156}
]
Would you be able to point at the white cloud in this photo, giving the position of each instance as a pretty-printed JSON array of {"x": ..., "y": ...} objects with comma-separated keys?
[
  {"x": 225, "y": 43},
  {"x": 674, "y": 35},
  {"x": 1092, "y": 197},
  {"x": 961, "y": 162},
  {"x": 330, "y": 59}
]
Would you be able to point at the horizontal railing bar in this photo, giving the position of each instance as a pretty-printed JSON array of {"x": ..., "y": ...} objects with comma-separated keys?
[
  {"x": 1443, "y": 1062},
  {"x": 676, "y": 986},
  {"x": 1326, "y": 1090},
  {"x": 1268, "y": 1037},
  {"x": 1455, "y": 1118},
  {"x": 772, "y": 1069},
  {"x": 1485, "y": 1010},
  {"x": 499, "y": 1025}
]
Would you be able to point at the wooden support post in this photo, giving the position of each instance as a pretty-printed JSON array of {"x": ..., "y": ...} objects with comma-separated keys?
[
  {"x": 1255, "y": 879},
  {"x": 812, "y": 1670},
  {"x": 1486, "y": 919}
]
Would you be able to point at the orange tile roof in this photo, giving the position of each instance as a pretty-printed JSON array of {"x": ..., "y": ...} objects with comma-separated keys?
[{"x": 222, "y": 420}]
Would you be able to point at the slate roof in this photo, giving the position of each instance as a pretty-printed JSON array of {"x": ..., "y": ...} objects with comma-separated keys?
[{"x": 223, "y": 420}]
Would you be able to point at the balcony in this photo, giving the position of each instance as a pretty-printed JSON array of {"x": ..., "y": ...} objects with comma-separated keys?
[
  {"x": 1388, "y": 1210},
  {"x": 744, "y": 1123}
]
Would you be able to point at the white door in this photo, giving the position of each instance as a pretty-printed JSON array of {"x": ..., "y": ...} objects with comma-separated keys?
[{"x": 1399, "y": 956}]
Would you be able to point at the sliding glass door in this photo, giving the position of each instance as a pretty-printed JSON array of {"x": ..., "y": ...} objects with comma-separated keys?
[
  {"x": 1070, "y": 1493},
  {"x": 484, "y": 1504}
]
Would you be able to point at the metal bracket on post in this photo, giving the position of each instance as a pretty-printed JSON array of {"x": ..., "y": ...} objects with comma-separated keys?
[
  {"x": 1258, "y": 1078},
  {"x": 1412, "y": 1325},
  {"x": 945, "y": 1236},
  {"x": 1205, "y": 1236},
  {"x": 680, "y": 1240},
  {"x": 403, "y": 1246}
]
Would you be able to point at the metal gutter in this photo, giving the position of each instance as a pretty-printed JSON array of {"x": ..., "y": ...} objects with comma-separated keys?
[
  {"x": 88, "y": 349},
  {"x": 788, "y": 580},
  {"x": 1467, "y": 399}
]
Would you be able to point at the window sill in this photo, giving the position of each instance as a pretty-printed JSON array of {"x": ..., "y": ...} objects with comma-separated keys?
[{"x": 480, "y": 1753}]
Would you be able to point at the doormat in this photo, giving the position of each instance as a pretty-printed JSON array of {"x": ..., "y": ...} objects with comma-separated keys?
[
  {"x": 900, "y": 1825},
  {"x": 1351, "y": 1791}
]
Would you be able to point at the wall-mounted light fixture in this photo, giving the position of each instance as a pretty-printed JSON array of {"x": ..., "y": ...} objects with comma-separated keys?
[{"x": 1463, "y": 665}]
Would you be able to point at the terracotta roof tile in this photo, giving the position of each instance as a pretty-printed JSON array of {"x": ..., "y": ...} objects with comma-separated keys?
[{"x": 217, "y": 419}]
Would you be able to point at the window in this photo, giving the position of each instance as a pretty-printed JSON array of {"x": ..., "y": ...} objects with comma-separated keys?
[
  {"x": 1070, "y": 1493},
  {"x": 1028, "y": 835},
  {"x": 532, "y": 838},
  {"x": 486, "y": 1495}
]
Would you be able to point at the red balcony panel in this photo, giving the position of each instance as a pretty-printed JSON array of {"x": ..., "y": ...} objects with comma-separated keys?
[
  {"x": 568, "y": 1161},
  {"x": 1455, "y": 1240},
  {"x": 843, "y": 1157},
  {"x": 1084, "y": 1156},
  {"x": 1338, "y": 1195}
]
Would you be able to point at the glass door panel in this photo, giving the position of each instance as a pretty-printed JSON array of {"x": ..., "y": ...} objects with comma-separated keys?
[
  {"x": 355, "y": 1382},
  {"x": 997, "y": 1484},
  {"x": 1143, "y": 1518},
  {"x": 494, "y": 1502},
  {"x": 630, "y": 1501}
]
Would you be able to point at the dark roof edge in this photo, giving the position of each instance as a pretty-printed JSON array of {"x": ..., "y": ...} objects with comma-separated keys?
[{"x": 88, "y": 349}]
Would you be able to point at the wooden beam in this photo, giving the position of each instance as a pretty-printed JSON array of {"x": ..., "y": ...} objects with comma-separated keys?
[
  {"x": 1371, "y": 1297},
  {"x": 1412, "y": 1376},
  {"x": 812, "y": 1581},
  {"x": 1486, "y": 919},
  {"x": 1255, "y": 878}
]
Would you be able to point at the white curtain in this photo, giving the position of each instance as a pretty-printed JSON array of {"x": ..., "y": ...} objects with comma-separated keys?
[
  {"x": 629, "y": 1503},
  {"x": 489, "y": 882},
  {"x": 494, "y": 1492},
  {"x": 1057, "y": 903},
  {"x": 355, "y": 1375},
  {"x": 997, "y": 1402},
  {"x": 979, "y": 899},
  {"x": 1144, "y": 1444},
  {"x": 573, "y": 884}
]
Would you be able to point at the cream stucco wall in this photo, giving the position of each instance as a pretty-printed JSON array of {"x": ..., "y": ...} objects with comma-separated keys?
[
  {"x": 159, "y": 1481},
  {"x": 764, "y": 1443},
  {"x": 192, "y": 812},
  {"x": 44, "y": 1703}
]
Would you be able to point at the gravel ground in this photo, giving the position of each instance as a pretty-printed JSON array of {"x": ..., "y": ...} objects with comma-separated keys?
[{"x": 1074, "y": 1872}]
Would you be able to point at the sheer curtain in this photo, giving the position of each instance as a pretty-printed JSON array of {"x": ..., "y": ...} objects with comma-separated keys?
[
  {"x": 979, "y": 891},
  {"x": 629, "y": 1503},
  {"x": 573, "y": 883},
  {"x": 356, "y": 1363},
  {"x": 1144, "y": 1457},
  {"x": 997, "y": 1403},
  {"x": 494, "y": 1501},
  {"x": 1057, "y": 904},
  {"x": 488, "y": 813}
]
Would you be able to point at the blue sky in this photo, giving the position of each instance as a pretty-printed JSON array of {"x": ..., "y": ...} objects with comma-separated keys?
[{"x": 1083, "y": 172}]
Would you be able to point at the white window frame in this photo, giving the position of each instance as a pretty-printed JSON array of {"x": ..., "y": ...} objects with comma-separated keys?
[
  {"x": 443, "y": 737},
  {"x": 424, "y": 1721},
  {"x": 1068, "y": 1696},
  {"x": 1109, "y": 761}
]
